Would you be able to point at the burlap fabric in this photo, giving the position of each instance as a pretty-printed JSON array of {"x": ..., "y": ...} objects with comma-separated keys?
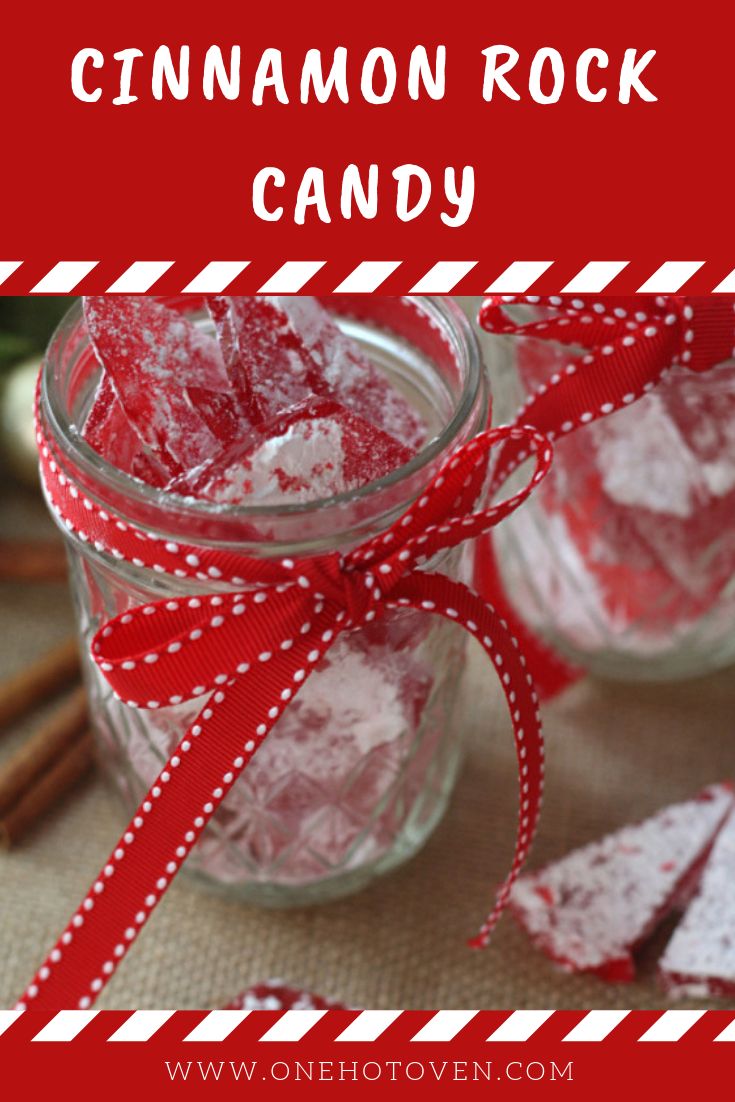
[{"x": 616, "y": 752}]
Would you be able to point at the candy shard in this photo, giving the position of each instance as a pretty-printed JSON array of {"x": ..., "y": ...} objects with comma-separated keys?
[
  {"x": 109, "y": 432},
  {"x": 288, "y": 348},
  {"x": 590, "y": 910},
  {"x": 314, "y": 450},
  {"x": 151, "y": 355},
  {"x": 240, "y": 378},
  {"x": 276, "y": 995},
  {"x": 699, "y": 961}
]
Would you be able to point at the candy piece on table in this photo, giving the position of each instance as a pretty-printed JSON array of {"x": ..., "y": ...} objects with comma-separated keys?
[
  {"x": 288, "y": 348},
  {"x": 699, "y": 961},
  {"x": 151, "y": 356},
  {"x": 276, "y": 995},
  {"x": 590, "y": 910},
  {"x": 109, "y": 432},
  {"x": 315, "y": 449}
]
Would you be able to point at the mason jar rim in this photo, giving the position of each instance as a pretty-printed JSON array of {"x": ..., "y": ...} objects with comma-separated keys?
[{"x": 90, "y": 463}]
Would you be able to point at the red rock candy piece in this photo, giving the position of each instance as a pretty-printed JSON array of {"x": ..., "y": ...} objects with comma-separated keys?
[
  {"x": 288, "y": 348},
  {"x": 593, "y": 908},
  {"x": 276, "y": 995},
  {"x": 221, "y": 413},
  {"x": 699, "y": 961},
  {"x": 315, "y": 449},
  {"x": 258, "y": 316},
  {"x": 108, "y": 431},
  {"x": 152, "y": 355}
]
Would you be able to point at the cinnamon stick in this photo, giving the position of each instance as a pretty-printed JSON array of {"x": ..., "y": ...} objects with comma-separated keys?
[
  {"x": 39, "y": 681},
  {"x": 32, "y": 562},
  {"x": 38, "y": 753},
  {"x": 68, "y": 770}
]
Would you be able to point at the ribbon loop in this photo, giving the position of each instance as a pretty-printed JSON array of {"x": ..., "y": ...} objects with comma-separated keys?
[
  {"x": 707, "y": 331},
  {"x": 665, "y": 330},
  {"x": 629, "y": 348},
  {"x": 174, "y": 650}
]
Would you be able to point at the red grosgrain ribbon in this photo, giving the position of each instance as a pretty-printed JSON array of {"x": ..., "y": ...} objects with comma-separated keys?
[
  {"x": 628, "y": 345},
  {"x": 247, "y": 653}
]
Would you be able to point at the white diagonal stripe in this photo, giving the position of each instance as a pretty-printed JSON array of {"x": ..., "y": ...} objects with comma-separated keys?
[
  {"x": 141, "y": 1025},
  {"x": 368, "y": 276},
  {"x": 140, "y": 277},
  {"x": 368, "y": 1025},
  {"x": 216, "y": 276},
  {"x": 443, "y": 277},
  {"x": 521, "y": 1025},
  {"x": 64, "y": 277},
  {"x": 726, "y": 287},
  {"x": 728, "y": 1033},
  {"x": 7, "y": 1017},
  {"x": 7, "y": 267},
  {"x": 672, "y": 1025},
  {"x": 596, "y": 1025},
  {"x": 66, "y": 1025},
  {"x": 519, "y": 276},
  {"x": 293, "y": 1025},
  {"x": 444, "y": 1025},
  {"x": 217, "y": 1025},
  {"x": 291, "y": 276},
  {"x": 595, "y": 276},
  {"x": 672, "y": 275}
]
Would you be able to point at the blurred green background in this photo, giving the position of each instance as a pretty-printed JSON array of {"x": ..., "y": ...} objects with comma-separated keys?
[{"x": 26, "y": 323}]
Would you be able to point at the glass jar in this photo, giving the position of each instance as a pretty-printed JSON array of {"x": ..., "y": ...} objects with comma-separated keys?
[
  {"x": 625, "y": 558},
  {"x": 358, "y": 770}
]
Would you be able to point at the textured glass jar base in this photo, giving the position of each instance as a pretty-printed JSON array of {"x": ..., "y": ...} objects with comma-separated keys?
[
  {"x": 411, "y": 840},
  {"x": 310, "y": 861},
  {"x": 350, "y": 783}
]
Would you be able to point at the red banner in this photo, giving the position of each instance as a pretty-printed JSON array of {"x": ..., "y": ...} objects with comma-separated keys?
[{"x": 526, "y": 1054}]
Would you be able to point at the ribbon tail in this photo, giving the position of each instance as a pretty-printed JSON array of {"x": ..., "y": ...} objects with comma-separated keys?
[
  {"x": 456, "y": 602},
  {"x": 213, "y": 753},
  {"x": 550, "y": 671}
]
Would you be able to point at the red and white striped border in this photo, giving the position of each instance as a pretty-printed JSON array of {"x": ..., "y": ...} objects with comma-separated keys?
[
  {"x": 291, "y": 1026},
  {"x": 395, "y": 276}
]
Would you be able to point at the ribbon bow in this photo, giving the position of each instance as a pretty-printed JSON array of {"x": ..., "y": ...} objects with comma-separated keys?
[{"x": 247, "y": 651}]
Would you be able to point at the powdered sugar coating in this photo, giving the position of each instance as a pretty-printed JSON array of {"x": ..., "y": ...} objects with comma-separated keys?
[
  {"x": 700, "y": 957},
  {"x": 151, "y": 355},
  {"x": 286, "y": 409},
  {"x": 276, "y": 995},
  {"x": 314, "y": 450},
  {"x": 108, "y": 430},
  {"x": 589, "y": 910},
  {"x": 289, "y": 349},
  {"x": 642, "y": 552}
]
